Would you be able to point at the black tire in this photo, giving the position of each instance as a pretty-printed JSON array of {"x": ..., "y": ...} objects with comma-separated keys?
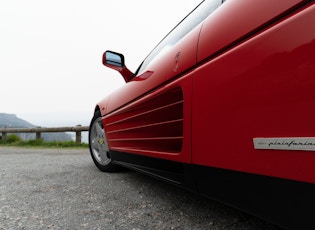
[{"x": 98, "y": 145}]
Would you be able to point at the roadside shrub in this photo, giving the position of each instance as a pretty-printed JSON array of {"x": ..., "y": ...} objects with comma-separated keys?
[
  {"x": 39, "y": 142},
  {"x": 12, "y": 138}
]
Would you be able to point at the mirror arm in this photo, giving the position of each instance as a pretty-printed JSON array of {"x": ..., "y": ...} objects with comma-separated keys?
[{"x": 126, "y": 73}]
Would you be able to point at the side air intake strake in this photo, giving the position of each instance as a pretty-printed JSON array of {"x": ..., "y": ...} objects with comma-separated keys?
[{"x": 151, "y": 124}]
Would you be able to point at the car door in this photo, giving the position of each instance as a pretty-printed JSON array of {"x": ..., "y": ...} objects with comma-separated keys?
[{"x": 151, "y": 115}]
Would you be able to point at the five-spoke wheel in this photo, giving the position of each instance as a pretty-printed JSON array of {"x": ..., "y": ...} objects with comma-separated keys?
[{"x": 99, "y": 146}]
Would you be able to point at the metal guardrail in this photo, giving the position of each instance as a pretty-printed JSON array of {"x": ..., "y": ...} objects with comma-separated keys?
[{"x": 38, "y": 130}]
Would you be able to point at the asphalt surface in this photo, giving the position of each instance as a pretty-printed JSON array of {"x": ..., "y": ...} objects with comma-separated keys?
[{"x": 62, "y": 189}]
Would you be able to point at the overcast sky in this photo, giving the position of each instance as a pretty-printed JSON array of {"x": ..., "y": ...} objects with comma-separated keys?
[{"x": 50, "y": 52}]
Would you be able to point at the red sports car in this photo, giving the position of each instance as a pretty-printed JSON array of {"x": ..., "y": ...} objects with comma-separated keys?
[{"x": 223, "y": 106}]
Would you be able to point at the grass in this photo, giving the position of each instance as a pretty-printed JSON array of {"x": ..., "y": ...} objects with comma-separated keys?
[{"x": 14, "y": 140}]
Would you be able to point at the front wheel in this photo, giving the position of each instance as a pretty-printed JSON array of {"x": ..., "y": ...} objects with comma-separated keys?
[{"x": 99, "y": 146}]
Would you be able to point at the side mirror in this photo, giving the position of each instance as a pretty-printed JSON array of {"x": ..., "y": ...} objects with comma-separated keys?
[
  {"x": 116, "y": 61},
  {"x": 112, "y": 59}
]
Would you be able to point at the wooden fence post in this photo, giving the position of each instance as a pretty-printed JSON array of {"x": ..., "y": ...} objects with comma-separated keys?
[
  {"x": 4, "y": 137},
  {"x": 38, "y": 134},
  {"x": 78, "y": 135}
]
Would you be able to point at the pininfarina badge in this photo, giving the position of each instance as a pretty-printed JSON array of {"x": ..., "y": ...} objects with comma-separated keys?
[{"x": 288, "y": 143}]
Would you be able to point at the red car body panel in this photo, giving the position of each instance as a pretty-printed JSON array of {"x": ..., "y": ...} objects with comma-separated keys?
[{"x": 260, "y": 88}]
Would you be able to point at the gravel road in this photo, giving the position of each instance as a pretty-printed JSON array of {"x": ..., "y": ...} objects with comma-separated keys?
[{"x": 62, "y": 189}]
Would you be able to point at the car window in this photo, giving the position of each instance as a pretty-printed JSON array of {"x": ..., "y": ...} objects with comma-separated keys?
[{"x": 203, "y": 10}]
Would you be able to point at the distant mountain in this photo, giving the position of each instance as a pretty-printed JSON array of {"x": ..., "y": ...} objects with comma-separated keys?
[{"x": 12, "y": 121}]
